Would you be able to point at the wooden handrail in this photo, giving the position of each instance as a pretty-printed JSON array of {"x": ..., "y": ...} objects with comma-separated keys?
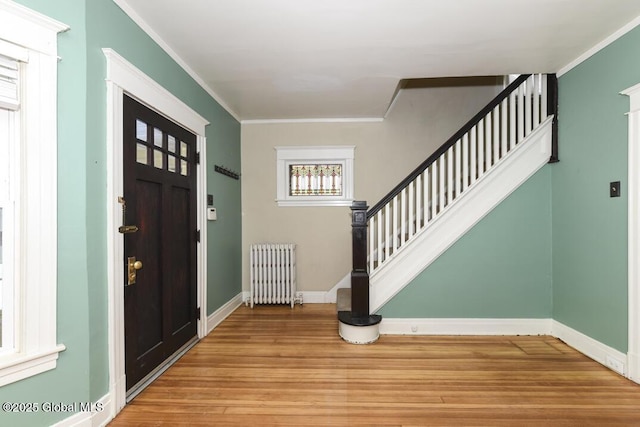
[{"x": 451, "y": 141}]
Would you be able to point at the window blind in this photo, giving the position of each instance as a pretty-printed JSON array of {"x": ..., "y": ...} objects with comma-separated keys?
[{"x": 9, "y": 83}]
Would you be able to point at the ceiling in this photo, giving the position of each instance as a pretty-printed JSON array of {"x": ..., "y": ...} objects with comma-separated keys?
[{"x": 333, "y": 59}]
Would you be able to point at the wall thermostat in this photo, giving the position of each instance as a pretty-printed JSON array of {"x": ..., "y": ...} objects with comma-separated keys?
[{"x": 212, "y": 215}]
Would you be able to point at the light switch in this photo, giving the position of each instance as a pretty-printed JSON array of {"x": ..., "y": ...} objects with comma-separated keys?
[{"x": 614, "y": 189}]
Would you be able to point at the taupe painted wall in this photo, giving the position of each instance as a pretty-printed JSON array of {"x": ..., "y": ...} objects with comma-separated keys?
[{"x": 424, "y": 115}]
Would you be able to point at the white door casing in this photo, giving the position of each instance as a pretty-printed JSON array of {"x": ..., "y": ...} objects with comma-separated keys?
[
  {"x": 122, "y": 77},
  {"x": 633, "y": 353}
]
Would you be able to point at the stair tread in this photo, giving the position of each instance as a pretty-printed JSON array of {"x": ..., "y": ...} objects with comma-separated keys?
[{"x": 343, "y": 299}]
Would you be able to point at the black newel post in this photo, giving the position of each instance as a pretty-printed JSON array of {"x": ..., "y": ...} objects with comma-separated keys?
[
  {"x": 552, "y": 108},
  {"x": 359, "y": 315},
  {"x": 359, "y": 273}
]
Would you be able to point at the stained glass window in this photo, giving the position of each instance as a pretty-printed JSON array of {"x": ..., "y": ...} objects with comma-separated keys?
[
  {"x": 315, "y": 180},
  {"x": 314, "y": 175}
]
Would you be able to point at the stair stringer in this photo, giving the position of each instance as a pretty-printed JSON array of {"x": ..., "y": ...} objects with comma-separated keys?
[{"x": 458, "y": 218}]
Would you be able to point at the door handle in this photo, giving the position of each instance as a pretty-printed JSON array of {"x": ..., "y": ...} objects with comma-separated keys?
[{"x": 132, "y": 269}]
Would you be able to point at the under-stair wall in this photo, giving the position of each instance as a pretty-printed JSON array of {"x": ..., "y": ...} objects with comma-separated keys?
[{"x": 501, "y": 268}]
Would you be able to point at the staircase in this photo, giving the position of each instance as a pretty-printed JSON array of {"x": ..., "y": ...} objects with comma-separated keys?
[{"x": 478, "y": 167}]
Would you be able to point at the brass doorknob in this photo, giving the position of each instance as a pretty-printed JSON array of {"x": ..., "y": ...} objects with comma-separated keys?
[{"x": 137, "y": 265}]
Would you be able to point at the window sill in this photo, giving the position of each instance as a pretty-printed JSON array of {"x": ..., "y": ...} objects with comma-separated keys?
[
  {"x": 17, "y": 367},
  {"x": 314, "y": 203}
]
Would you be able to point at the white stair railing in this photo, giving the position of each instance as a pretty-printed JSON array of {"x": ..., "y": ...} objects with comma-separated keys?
[{"x": 456, "y": 167}]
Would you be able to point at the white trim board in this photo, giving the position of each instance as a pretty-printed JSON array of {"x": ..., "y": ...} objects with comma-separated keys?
[
  {"x": 633, "y": 241},
  {"x": 465, "y": 326},
  {"x": 331, "y": 296},
  {"x": 223, "y": 312},
  {"x": 597, "y": 351},
  {"x": 101, "y": 414}
]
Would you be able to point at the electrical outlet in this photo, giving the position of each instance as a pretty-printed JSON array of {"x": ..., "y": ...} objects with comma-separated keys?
[{"x": 615, "y": 365}]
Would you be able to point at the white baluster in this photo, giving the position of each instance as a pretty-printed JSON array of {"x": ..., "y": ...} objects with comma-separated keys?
[
  {"x": 387, "y": 231},
  {"x": 426, "y": 201},
  {"x": 480, "y": 148},
  {"x": 528, "y": 105},
  {"x": 372, "y": 257},
  {"x": 520, "y": 104},
  {"x": 496, "y": 134},
  {"x": 473, "y": 161},
  {"x": 403, "y": 216},
  {"x": 504, "y": 110},
  {"x": 419, "y": 210},
  {"x": 458, "y": 169},
  {"x": 410, "y": 217},
  {"x": 536, "y": 100},
  {"x": 543, "y": 109},
  {"x": 434, "y": 189},
  {"x": 465, "y": 161},
  {"x": 379, "y": 248},
  {"x": 450, "y": 182},
  {"x": 441, "y": 192},
  {"x": 395, "y": 224},
  {"x": 512, "y": 120},
  {"x": 488, "y": 141}
]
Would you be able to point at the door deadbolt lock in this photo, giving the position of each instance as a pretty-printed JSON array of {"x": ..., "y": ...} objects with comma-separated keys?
[{"x": 132, "y": 268}]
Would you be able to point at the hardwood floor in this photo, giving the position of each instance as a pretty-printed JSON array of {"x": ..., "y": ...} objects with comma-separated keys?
[{"x": 278, "y": 366}]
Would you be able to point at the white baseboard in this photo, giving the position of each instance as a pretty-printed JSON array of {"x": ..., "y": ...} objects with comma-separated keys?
[
  {"x": 465, "y": 327},
  {"x": 633, "y": 360},
  {"x": 331, "y": 295},
  {"x": 313, "y": 297},
  {"x": 223, "y": 312},
  {"x": 601, "y": 353},
  {"x": 308, "y": 297},
  {"x": 100, "y": 415}
]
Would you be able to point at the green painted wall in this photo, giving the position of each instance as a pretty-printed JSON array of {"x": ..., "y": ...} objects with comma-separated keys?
[
  {"x": 500, "y": 269},
  {"x": 589, "y": 227},
  {"x": 82, "y": 372}
]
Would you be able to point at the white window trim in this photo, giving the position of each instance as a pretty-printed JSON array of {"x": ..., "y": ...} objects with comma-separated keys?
[
  {"x": 36, "y": 343},
  {"x": 330, "y": 154}
]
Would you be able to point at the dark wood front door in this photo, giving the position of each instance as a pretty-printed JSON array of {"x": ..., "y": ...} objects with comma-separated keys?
[{"x": 160, "y": 200}]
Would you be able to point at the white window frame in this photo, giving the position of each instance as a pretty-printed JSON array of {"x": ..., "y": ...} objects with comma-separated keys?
[
  {"x": 8, "y": 178},
  {"x": 35, "y": 345},
  {"x": 330, "y": 154}
]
